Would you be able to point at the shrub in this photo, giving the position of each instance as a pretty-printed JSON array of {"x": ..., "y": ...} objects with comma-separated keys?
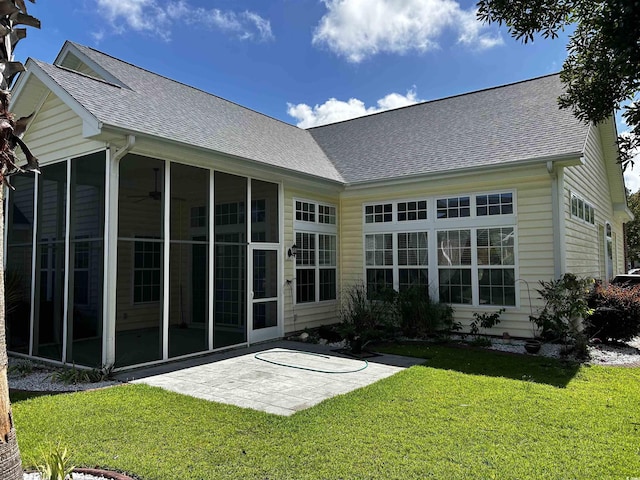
[
  {"x": 485, "y": 321},
  {"x": 616, "y": 313},
  {"x": 566, "y": 304},
  {"x": 364, "y": 319},
  {"x": 419, "y": 315}
]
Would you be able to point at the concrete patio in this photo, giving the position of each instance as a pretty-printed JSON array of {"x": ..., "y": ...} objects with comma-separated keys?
[{"x": 285, "y": 377}]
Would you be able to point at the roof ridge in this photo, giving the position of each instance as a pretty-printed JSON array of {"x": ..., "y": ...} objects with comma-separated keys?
[
  {"x": 188, "y": 86},
  {"x": 435, "y": 100}
]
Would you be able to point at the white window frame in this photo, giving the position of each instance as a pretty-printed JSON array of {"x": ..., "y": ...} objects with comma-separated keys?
[
  {"x": 432, "y": 225},
  {"x": 316, "y": 228},
  {"x": 582, "y": 218}
]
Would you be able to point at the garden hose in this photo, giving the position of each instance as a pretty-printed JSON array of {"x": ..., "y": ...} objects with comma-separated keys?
[{"x": 258, "y": 356}]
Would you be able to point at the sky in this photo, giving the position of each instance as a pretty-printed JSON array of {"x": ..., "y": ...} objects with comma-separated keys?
[{"x": 304, "y": 62}]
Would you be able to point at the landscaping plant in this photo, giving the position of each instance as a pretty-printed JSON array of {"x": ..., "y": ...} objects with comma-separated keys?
[
  {"x": 616, "y": 313},
  {"x": 566, "y": 306},
  {"x": 485, "y": 321},
  {"x": 363, "y": 318},
  {"x": 55, "y": 464},
  {"x": 418, "y": 315}
]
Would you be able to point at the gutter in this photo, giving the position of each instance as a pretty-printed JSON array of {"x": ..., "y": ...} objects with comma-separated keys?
[{"x": 565, "y": 160}]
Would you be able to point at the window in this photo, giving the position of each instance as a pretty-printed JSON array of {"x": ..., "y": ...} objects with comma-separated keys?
[
  {"x": 305, "y": 211},
  {"x": 258, "y": 211},
  {"x": 468, "y": 261},
  {"x": 408, "y": 211},
  {"x": 81, "y": 278},
  {"x": 495, "y": 252},
  {"x": 316, "y": 262},
  {"x": 317, "y": 251},
  {"x": 379, "y": 262},
  {"x": 454, "y": 266},
  {"x": 582, "y": 210},
  {"x": 199, "y": 217},
  {"x": 381, "y": 213},
  {"x": 410, "y": 267},
  {"x": 327, "y": 214},
  {"x": 230, "y": 213},
  {"x": 147, "y": 271},
  {"x": 494, "y": 204},
  {"x": 413, "y": 259},
  {"x": 454, "y": 207}
]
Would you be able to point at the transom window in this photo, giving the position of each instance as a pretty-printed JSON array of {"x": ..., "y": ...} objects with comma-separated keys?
[
  {"x": 327, "y": 214},
  {"x": 305, "y": 211},
  {"x": 412, "y": 210},
  {"x": 494, "y": 204},
  {"x": 380, "y": 213},
  {"x": 454, "y": 207},
  {"x": 582, "y": 210}
]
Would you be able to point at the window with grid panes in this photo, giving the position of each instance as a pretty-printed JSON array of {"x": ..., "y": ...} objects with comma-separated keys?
[
  {"x": 379, "y": 262},
  {"x": 494, "y": 204},
  {"x": 454, "y": 207},
  {"x": 496, "y": 261},
  {"x": 413, "y": 260},
  {"x": 316, "y": 258},
  {"x": 411, "y": 211},
  {"x": 380, "y": 213},
  {"x": 305, "y": 211},
  {"x": 147, "y": 275},
  {"x": 454, "y": 266}
]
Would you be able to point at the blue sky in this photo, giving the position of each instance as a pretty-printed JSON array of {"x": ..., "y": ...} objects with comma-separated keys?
[{"x": 305, "y": 62}]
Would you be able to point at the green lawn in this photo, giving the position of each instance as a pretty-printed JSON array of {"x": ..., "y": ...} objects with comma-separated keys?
[{"x": 464, "y": 414}]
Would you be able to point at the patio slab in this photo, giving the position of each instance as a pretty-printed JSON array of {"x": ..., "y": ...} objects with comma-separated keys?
[{"x": 281, "y": 377}]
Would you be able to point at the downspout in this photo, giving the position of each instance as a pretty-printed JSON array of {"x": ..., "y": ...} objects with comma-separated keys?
[
  {"x": 556, "y": 173},
  {"x": 111, "y": 248}
]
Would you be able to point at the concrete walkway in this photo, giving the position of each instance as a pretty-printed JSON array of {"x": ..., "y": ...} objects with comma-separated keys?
[{"x": 285, "y": 378}]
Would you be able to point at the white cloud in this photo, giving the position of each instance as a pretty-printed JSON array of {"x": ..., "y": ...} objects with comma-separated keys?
[
  {"x": 159, "y": 17},
  {"x": 357, "y": 29},
  {"x": 334, "y": 110}
]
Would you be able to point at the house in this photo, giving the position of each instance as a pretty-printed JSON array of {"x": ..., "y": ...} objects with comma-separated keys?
[{"x": 170, "y": 222}]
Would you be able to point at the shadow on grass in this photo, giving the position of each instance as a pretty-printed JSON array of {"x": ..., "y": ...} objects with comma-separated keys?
[
  {"x": 20, "y": 395},
  {"x": 474, "y": 361}
]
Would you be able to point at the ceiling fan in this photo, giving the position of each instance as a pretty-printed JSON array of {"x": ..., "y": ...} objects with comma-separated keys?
[{"x": 155, "y": 194}]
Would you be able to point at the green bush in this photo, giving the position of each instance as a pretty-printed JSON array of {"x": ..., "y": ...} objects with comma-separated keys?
[
  {"x": 418, "y": 315},
  {"x": 364, "y": 319},
  {"x": 616, "y": 313},
  {"x": 566, "y": 305}
]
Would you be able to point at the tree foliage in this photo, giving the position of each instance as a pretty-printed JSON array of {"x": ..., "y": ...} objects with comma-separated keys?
[
  {"x": 602, "y": 70},
  {"x": 632, "y": 229}
]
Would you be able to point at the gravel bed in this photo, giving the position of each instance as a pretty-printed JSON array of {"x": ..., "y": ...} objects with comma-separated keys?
[
  {"x": 74, "y": 476},
  {"x": 36, "y": 377},
  {"x": 601, "y": 354}
]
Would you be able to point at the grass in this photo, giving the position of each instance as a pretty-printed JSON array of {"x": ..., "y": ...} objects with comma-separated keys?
[{"x": 465, "y": 414}]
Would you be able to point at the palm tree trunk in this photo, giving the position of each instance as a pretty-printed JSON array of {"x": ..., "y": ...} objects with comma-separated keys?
[{"x": 10, "y": 464}]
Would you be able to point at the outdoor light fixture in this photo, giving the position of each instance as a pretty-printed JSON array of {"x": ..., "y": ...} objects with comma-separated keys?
[{"x": 292, "y": 251}]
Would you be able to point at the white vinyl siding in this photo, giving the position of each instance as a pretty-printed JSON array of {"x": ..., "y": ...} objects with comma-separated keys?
[
  {"x": 531, "y": 219},
  {"x": 298, "y": 316},
  {"x": 584, "y": 240},
  {"x": 56, "y": 133}
]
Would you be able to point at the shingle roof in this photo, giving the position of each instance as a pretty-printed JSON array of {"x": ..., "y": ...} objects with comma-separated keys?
[
  {"x": 161, "y": 107},
  {"x": 501, "y": 125}
]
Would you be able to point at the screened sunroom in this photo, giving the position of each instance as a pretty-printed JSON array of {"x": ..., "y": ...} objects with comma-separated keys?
[{"x": 139, "y": 260}]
